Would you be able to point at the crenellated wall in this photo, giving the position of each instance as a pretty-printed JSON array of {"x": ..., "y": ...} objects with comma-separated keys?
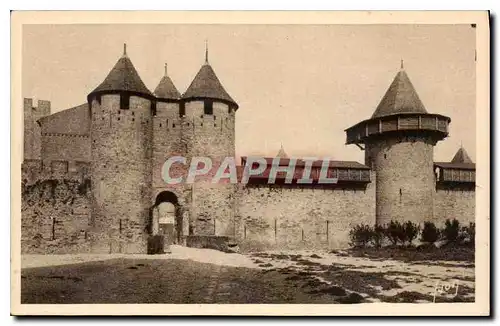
[
  {"x": 32, "y": 145},
  {"x": 99, "y": 174}
]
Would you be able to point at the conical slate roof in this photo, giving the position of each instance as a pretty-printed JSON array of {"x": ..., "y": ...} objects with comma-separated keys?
[
  {"x": 206, "y": 85},
  {"x": 401, "y": 97},
  {"x": 166, "y": 88},
  {"x": 461, "y": 157},
  {"x": 123, "y": 77},
  {"x": 282, "y": 153}
]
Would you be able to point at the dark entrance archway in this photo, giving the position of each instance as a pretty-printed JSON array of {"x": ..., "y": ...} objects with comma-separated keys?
[{"x": 167, "y": 217}]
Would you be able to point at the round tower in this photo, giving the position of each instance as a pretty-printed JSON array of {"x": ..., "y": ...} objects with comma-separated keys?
[
  {"x": 399, "y": 141},
  {"x": 121, "y": 110},
  {"x": 209, "y": 113},
  {"x": 168, "y": 142}
]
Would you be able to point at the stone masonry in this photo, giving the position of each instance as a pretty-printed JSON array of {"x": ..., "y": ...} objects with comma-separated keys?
[{"x": 92, "y": 175}]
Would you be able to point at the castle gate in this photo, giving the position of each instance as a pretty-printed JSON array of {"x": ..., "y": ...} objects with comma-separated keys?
[{"x": 167, "y": 218}]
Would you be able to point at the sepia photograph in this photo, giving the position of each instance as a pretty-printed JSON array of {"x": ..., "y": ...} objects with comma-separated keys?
[{"x": 327, "y": 161}]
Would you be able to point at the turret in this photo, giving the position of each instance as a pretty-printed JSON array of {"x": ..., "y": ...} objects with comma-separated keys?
[
  {"x": 210, "y": 113},
  {"x": 399, "y": 141},
  {"x": 121, "y": 110}
]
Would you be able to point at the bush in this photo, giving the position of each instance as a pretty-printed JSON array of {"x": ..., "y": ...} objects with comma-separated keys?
[
  {"x": 410, "y": 232},
  {"x": 378, "y": 235},
  {"x": 395, "y": 232},
  {"x": 360, "y": 235},
  {"x": 451, "y": 230},
  {"x": 468, "y": 235},
  {"x": 430, "y": 233}
]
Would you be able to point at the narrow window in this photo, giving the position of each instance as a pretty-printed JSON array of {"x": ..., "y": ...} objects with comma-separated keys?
[
  {"x": 182, "y": 110},
  {"x": 153, "y": 108},
  {"x": 208, "y": 107},
  {"x": 124, "y": 101}
]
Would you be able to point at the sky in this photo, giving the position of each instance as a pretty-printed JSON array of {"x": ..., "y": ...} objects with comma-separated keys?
[{"x": 299, "y": 86}]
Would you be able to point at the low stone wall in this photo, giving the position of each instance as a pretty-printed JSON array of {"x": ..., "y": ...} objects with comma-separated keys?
[
  {"x": 208, "y": 242},
  {"x": 55, "y": 216}
]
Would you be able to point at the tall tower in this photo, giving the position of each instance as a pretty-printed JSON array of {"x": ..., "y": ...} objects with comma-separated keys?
[
  {"x": 121, "y": 110},
  {"x": 211, "y": 111},
  {"x": 32, "y": 133},
  {"x": 167, "y": 127},
  {"x": 399, "y": 141}
]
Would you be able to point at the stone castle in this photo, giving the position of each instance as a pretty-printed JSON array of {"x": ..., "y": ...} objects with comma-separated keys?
[{"x": 92, "y": 174}]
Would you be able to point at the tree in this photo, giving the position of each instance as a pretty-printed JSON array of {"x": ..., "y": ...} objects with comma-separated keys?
[{"x": 430, "y": 233}]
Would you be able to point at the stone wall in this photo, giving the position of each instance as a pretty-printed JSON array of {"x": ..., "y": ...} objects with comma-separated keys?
[
  {"x": 210, "y": 135},
  {"x": 455, "y": 203},
  {"x": 55, "y": 209},
  {"x": 66, "y": 135},
  {"x": 286, "y": 217},
  {"x": 405, "y": 178},
  {"x": 32, "y": 132},
  {"x": 121, "y": 174},
  {"x": 65, "y": 147}
]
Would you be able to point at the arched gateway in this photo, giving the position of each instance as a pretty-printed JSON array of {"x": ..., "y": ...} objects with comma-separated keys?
[{"x": 167, "y": 218}]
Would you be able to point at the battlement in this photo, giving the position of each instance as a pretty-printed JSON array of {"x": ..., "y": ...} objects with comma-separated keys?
[
  {"x": 34, "y": 170},
  {"x": 202, "y": 122},
  {"x": 41, "y": 109}
]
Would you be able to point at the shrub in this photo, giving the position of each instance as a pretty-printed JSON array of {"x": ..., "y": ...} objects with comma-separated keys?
[
  {"x": 430, "y": 233},
  {"x": 395, "y": 232},
  {"x": 451, "y": 230},
  {"x": 410, "y": 231},
  {"x": 468, "y": 234},
  {"x": 360, "y": 235},
  {"x": 378, "y": 235}
]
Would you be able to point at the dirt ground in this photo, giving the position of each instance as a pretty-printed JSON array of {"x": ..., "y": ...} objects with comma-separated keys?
[{"x": 188, "y": 275}]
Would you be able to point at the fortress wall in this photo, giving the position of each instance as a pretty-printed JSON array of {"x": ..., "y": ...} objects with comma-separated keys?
[
  {"x": 65, "y": 147},
  {"x": 454, "y": 203},
  {"x": 55, "y": 208},
  {"x": 65, "y": 135},
  {"x": 32, "y": 133},
  {"x": 279, "y": 217}
]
